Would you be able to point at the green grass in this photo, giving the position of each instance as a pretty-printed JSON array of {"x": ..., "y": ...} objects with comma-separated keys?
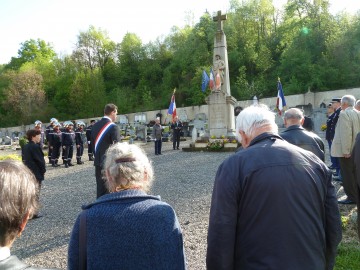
[{"x": 348, "y": 257}]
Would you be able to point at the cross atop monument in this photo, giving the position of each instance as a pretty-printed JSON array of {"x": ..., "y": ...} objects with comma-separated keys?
[{"x": 219, "y": 18}]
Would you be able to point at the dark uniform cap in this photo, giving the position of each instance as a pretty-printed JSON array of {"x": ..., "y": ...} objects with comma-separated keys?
[{"x": 336, "y": 100}]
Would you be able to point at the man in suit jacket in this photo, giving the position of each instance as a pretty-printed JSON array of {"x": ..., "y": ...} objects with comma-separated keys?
[
  {"x": 176, "y": 126},
  {"x": 356, "y": 154},
  {"x": 347, "y": 128},
  {"x": 297, "y": 135},
  {"x": 103, "y": 134}
]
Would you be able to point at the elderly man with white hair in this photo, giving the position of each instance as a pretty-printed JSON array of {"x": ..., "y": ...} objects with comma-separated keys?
[
  {"x": 273, "y": 204},
  {"x": 347, "y": 127}
]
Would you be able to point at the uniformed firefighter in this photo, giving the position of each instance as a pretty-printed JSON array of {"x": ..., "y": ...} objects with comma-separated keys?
[
  {"x": 68, "y": 140},
  {"x": 88, "y": 138},
  {"x": 79, "y": 141},
  {"x": 48, "y": 130},
  {"x": 38, "y": 125},
  {"x": 55, "y": 137}
]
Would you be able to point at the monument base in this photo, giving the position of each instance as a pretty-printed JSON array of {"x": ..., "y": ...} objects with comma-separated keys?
[{"x": 221, "y": 115}]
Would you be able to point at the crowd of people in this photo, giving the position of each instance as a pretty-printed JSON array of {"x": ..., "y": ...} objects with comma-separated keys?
[{"x": 273, "y": 203}]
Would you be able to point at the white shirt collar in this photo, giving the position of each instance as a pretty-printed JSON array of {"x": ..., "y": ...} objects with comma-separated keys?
[
  {"x": 105, "y": 116},
  {"x": 4, "y": 253}
]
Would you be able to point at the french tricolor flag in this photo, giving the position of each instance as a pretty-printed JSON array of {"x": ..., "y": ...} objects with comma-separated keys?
[
  {"x": 212, "y": 80},
  {"x": 172, "y": 107},
  {"x": 280, "y": 102}
]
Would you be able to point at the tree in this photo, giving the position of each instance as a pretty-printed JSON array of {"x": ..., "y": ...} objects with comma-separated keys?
[
  {"x": 25, "y": 94},
  {"x": 93, "y": 49},
  {"x": 30, "y": 51}
]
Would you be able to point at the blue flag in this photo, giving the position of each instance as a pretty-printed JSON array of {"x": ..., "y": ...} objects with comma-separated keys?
[{"x": 205, "y": 81}]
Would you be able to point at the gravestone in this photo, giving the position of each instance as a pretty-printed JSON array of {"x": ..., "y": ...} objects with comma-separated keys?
[{"x": 220, "y": 102}]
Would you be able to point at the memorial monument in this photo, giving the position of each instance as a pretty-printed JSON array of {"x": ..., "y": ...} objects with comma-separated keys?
[{"x": 220, "y": 102}]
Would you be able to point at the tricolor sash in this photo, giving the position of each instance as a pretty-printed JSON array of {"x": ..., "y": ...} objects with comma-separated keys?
[{"x": 101, "y": 134}]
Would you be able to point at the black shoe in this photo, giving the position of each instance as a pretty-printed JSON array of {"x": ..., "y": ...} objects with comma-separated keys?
[
  {"x": 91, "y": 159},
  {"x": 331, "y": 167},
  {"x": 66, "y": 165},
  {"x": 156, "y": 154},
  {"x": 177, "y": 148},
  {"x": 346, "y": 201},
  {"x": 70, "y": 164}
]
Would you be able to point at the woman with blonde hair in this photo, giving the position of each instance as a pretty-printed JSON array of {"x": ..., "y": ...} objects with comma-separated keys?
[
  {"x": 127, "y": 228},
  {"x": 18, "y": 193}
]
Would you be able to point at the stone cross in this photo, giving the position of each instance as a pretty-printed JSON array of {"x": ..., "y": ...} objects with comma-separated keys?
[{"x": 219, "y": 18}]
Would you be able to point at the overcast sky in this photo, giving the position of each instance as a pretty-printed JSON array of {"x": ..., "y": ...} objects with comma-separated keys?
[{"x": 60, "y": 21}]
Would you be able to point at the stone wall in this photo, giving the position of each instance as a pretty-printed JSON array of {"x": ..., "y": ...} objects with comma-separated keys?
[{"x": 317, "y": 100}]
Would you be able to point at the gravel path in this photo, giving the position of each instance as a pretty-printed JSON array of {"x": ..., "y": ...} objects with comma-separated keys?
[{"x": 182, "y": 179}]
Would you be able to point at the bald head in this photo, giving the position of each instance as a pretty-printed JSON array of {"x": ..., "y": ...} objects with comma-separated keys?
[{"x": 293, "y": 116}]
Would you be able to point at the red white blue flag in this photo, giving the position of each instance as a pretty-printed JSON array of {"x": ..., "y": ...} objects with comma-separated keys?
[
  {"x": 172, "y": 107},
  {"x": 280, "y": 102},
  {"x": 205, "y": 81},
  {"x": 212, "y": 80}
]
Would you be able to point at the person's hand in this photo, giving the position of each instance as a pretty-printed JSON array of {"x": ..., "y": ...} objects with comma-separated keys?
[
  {"x": 89, "y": 142},
  {"x": 77, "y": 146},
  {"x": 51, "y": 147},
  {"x": 64, "y": 147},
  {"x": 347, "y": 155}
]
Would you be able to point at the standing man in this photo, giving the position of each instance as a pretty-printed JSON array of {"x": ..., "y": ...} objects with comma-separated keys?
[
  {"x": 67, "y": 141},
  {"x": 356, "y": 154},
  {"x": 103, "y": 134},
  {"x": 337, "y": 109},
  {"x": 347, "y": 128},
  {"x": 79, "y": 142},
  {"x": 38, "y": 125},
  {"x": 176, "y": 126},
  {"x": 297, "y": 135},
  {"x": 273, "y": 204},
  {"x": 88, "y": 138},
  {"x": 157, "y": 136},
  {"x": 49, "y": 130}
]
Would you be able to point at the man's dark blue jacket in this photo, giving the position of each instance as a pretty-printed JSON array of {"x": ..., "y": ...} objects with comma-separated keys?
[{"x": 273, "y": 207}]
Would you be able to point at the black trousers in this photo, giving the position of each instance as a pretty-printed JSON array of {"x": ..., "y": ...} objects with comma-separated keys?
[
  {"x": 101, "y": 188},
  {"x": 90, "y": 150},
  {"x": 347, "y": 169},
  {"x": 158, "y": 143},
  {"x": 55, "y": 152},
  {"x": 176, "y": 138},
  {"x": 68, "y": 152},
  {"x": 79, "y": 151}
]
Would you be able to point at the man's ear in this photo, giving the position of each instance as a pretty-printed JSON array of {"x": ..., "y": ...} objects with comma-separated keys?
[
  {"x": 245, "y": 140},
  {"x": 302, "y": 121}
]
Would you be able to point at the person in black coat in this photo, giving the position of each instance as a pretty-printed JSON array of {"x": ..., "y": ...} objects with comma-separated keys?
[
  {"x": 103, "y": 134},
  {"x": 67, "y": 141},
  {"x": 55, "y": 144},
  {"x": 176, "y": 126},
  {"x": 88, "y": 138},
  {"x": 79, "y": 141},
  {"x": 297, "y": 135},
  {"x": 356, "y": 154},
  {"x": 33, "y": 157}
]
